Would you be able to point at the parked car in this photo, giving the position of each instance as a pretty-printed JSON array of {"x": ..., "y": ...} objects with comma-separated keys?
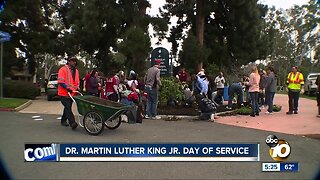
[
  {"x": 310, "y": 86},
  {"x": 52, "y": 86}
]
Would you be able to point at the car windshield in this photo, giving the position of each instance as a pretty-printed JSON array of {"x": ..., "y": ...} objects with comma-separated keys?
[
  {"x": 314, "y": 76},
  {"x": 53, "y": 77}
]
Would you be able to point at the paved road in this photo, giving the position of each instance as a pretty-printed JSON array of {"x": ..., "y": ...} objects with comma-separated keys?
[{"x": 19, "y": 128}]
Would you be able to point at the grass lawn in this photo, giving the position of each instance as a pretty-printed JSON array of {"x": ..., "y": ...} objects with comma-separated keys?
[{"x": 11, "y": 102}]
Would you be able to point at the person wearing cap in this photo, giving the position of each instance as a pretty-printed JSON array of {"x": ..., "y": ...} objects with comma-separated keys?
[
  {"x": 68, "y": 82},
  {"x": 201, "y": 84},
  {"x": 295, "y": 82},
  {"x": 152, "y": 83}
]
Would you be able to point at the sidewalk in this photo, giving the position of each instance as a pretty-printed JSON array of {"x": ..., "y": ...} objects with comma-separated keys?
[
  {"x": 304, "y": 123},
  {"x": 41, "y": 106}
]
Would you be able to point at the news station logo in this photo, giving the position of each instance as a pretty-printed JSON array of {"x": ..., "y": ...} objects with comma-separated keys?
[
  {"x": 279, "y": 148},
  {"x": 40, "y": 152}
]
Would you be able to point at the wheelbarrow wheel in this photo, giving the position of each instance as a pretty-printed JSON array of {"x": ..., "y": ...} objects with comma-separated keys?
[
  {"x": 93, "y": 123},
  {"x": 113, "y": 123}
]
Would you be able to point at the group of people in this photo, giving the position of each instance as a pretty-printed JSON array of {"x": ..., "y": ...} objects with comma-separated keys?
[
  {"x": 114, "y": 87},
  {"x": 128, "y": 90},
  {"x": 260, "y": 87}
]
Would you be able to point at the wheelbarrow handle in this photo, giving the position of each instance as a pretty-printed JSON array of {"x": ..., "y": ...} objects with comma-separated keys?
[
  {"x": 76, "y": 103},
  {"x": 78, "y": 92},
  {"x": 72, "y": 97}
]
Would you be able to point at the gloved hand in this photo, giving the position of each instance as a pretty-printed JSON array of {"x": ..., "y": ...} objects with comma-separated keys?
[{"x": 70, "y": 90}]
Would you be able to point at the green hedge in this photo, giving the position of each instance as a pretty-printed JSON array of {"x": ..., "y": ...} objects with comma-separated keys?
[
  {"x": 171, "y": 88},
  {"x": 248, "y": 110},
  {"x": 20, "y": 89},
  {"x": 244, "y": 111}
]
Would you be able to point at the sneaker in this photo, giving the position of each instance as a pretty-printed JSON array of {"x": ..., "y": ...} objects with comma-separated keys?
[
  {"x": 318, "y": 115},
  {"x": 268, "y": 113},
  {"x": 257, "y": 114},
  {"x": 156, "y": 117},
  {"x": 296, "y": 112},
  {"x": 252, "y": 115},
  {"x": 289, "y": 112},
  {"x": 229, "y": 108},
  {"x": 64, "y": 124},
  {"x": 146, "y": 116},
  {"x": 124, "y": 118},
  {"x": 74, "y": 125}
]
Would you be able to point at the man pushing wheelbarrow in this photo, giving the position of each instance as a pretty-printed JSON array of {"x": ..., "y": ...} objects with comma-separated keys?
[{"x": 68, "y": 82}]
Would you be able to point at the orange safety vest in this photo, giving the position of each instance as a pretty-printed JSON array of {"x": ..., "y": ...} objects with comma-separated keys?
[
  {"x": 65, "y": 76},
  {"x": 295, "y": 80}
]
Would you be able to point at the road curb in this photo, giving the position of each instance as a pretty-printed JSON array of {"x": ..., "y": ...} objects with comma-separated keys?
[
  {"x": 23, "y": 106},
  {"x": 181, "y": 117}
]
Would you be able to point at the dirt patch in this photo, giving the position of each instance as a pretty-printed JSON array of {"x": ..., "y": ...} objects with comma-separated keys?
[
  {"x": 103, "y": 102},
  {"x": 185, "y": 111}
]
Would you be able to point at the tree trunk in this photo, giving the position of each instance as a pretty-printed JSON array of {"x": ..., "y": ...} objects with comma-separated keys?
[{"x": 200, "y": 27}]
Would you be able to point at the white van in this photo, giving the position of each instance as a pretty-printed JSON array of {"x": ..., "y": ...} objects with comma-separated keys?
[{"x": 310, "y": 86}]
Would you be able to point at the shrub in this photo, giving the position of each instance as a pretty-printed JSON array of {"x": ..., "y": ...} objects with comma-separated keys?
[
  {"x": 244, "y": 111},
  {"x": 20, "y": 89},
  {"x": 277, "y": 108},
  {"x": 171, "y": 89}
]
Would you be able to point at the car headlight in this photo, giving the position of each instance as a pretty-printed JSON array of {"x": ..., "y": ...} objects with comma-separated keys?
[{"x": 50, "y": 86}]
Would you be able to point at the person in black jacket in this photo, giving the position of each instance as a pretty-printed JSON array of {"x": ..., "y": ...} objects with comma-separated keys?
[
  {"x": 93, "y": 81},
  {"x": 271, "y": 87}
]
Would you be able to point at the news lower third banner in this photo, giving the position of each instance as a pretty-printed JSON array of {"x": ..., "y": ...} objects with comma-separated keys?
[{"x": 144, "y": 152}]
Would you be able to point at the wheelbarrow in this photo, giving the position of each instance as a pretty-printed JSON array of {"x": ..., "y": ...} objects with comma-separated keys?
[{"x": 98, "y": 113}]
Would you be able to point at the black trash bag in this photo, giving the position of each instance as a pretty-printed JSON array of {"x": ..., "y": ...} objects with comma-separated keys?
[{"x": 207, "y": 106}]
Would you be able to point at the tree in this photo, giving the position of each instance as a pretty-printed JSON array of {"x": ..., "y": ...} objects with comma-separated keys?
[
  {"x": 33, "y": 32},
  {"x": 191, "y": 53},
  {"x": 136, "y": 47},
  {"x": 102, "y": 24},
  {"x": 231, "y": 28}
]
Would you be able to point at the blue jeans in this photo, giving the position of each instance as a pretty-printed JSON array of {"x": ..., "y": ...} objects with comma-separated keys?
[
  {"x": 261, "y": 99},
  {"x": 235, "y": 88},
  {"x": 293, "y": 100},
  {"x": 67, "y": 111},
  {"x": 152, "y": 101},
  {"x": 254, "y": 102},
  {"x": 269, "y": 100}
]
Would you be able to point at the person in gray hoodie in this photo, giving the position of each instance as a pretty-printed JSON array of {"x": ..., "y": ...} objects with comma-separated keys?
[{"x": 271, "y": 87}]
